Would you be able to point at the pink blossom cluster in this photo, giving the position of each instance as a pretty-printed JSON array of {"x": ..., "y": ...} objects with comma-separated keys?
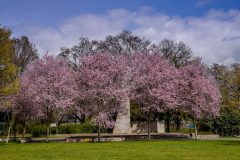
[
  {"x": 101, "y": 79},
  {"x": 48, "y": 85},
  {"x": 103, "y": 120},
  {"x": 198, "y": 93},
  {"x": 154, "y": 82}
]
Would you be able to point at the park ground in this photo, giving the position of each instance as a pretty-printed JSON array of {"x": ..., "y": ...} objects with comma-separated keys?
[{"x": 127, "y": 150}]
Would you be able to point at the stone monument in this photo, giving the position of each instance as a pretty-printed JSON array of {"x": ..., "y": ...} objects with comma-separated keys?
[
  {"x": 122, "y": 125},
  {"x": 160, "y": 126}
]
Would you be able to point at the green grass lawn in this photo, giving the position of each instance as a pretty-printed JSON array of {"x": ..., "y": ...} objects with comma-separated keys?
[{"x": 165, "y": 149}]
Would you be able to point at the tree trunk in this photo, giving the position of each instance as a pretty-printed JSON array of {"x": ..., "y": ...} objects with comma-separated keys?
[
  {"x": 178, "y": 123},
  {"x": 9, "y": 131},
  {"x": 58, "y": 123},
  {"x": 98, "y": 135},
  {"x": 195, "y": 129},
  {"x": 57, "y": 128},
  {"x": 48, "y": 123},
  {"x": 149, "y": 136},
  {"x": 48, "y": 130},
  {"x": 14, "y": 131},
  {"x": 24, "y": 130},
  {"x": 167, "y": 119}
]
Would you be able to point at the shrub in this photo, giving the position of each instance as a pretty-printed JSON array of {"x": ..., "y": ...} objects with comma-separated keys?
[
  {"x": 69, "y": 128},
  {"x": 206, "y": 125},
  {"x": 38, "y": 130},
  {"x": 228, "y": 124},
  {"x": 86, "y": 127}
]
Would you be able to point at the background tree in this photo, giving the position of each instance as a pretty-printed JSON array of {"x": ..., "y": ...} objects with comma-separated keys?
[
  {"x": 228, "y": 79},
  {"x": 25, "y": 52},
  {"x": 178, "y": 54},
  {"x": 52, "y": 86},
  {"x": 122, "y": 43},
  {"x": 9, "y": 82},
  {"x": 84, "y": 47},
  {"x": 228, "y": 123},
  {"x": 8, "y": 71},
  {"x": 100, "y": 82}
]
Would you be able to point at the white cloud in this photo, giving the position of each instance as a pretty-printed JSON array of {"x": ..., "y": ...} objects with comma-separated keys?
[
  {"x": 205, "y": 35},
  {"x": 215, "y": 36},
  {"x": 86, "y": 25},
  {"x": 200, "y": 3}
]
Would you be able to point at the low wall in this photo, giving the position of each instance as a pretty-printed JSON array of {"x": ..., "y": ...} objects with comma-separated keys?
[
  {"x": 142, "y": 127},
  {"x": 122, "y": 137}
]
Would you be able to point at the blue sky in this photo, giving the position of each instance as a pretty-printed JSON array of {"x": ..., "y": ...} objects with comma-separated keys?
[
  {"x": 52, "y": 12},
  {"x": 210, "y": 27}
]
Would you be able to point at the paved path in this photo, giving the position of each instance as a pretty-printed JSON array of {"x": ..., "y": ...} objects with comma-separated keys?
[{"x": 216, "y": 137}]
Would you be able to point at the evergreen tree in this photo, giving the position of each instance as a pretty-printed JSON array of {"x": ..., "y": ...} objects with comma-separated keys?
[{"x": 8, "y": 71}]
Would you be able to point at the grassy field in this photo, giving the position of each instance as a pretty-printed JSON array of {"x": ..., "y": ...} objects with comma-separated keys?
[{"x": 140, "y": 150}]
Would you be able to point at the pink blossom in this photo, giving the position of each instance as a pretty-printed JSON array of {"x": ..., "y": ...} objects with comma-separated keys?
[
  {"x": 101, "y": 84},
  {"x": 154, "y": 81},
  {"x": 49, "y": 84},
  {"x": 198, "y": 93}
]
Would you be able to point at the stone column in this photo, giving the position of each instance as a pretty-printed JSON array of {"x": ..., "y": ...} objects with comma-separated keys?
[
  {"x": 122, "y": 125},
  {"x": 160, "y": 126}
]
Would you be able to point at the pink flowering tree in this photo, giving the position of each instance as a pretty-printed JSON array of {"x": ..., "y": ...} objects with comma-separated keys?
[
  {"x": 198, "y": 93},
  {"x": 154, "y": 84},
  {"x": 50, "y": 85},
  {"x": 23, "y": 107},
  {"x": 101, "y": 88}
]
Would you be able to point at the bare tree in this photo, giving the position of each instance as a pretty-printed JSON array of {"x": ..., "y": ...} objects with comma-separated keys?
[
  {"x": 122, "y": 43},
  {"x": 177, "y": 53},
  {"x": 84, "y": 47},
  {"x": 25, "y": 52}
]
